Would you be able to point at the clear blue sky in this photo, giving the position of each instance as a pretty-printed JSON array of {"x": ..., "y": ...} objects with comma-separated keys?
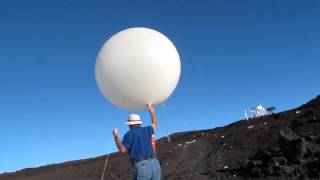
[{"x": 234, "y": 54}]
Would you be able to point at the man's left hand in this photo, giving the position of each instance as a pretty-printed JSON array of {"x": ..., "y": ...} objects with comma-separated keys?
[{"x": 115, "y": 132}]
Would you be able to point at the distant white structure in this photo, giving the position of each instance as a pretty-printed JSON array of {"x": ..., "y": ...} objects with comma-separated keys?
[
  {"x": 258, "y": 111},
  {"x": 261, "y": 111}
]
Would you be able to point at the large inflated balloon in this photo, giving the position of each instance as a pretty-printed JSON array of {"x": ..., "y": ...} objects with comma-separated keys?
[{"x": 137, "y": 66}]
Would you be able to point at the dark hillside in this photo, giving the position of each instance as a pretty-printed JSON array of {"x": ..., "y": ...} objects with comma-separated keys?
[{"x": 279, "y": 146}]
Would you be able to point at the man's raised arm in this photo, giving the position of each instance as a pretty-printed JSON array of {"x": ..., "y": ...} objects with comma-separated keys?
[{"x": 153, "y": 116}]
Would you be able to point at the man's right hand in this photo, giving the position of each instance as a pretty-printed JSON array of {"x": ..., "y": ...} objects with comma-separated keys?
[
  {"x": 153, "y": 116},
  {"x": 150, "y": 108}
]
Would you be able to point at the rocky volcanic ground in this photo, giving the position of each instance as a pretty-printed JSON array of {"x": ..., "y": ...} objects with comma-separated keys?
[{"x": 279, "y": 146}]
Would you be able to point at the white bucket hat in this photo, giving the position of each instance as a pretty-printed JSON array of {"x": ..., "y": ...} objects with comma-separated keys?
[{"x": 133, "y": 119}]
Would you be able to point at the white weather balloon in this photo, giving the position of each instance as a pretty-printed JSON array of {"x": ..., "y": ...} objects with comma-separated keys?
[{"x": 137, "y": 66}]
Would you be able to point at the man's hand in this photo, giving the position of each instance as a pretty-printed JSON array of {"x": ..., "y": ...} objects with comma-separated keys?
[
  {"x": 150, "y": 108},
  {"x": 115, "y": 133},
  {"x": 153, "y": 116},
  {"x": 119, "y": 144}
]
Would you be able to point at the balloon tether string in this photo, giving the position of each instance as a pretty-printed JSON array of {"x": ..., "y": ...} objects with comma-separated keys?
[
  {"x": 106, "y": 162},
  {"x": 166, "y": 123}
]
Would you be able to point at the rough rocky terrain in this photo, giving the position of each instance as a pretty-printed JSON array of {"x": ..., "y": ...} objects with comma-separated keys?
[{"x": 285, "y": 145}]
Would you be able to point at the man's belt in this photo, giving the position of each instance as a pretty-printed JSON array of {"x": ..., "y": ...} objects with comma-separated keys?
[{"x": 142, "y": 159}]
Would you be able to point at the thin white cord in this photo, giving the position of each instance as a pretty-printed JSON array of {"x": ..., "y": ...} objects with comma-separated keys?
[
  {"x": 105, "y": 164},
  {"x": 166, "y": 122}
]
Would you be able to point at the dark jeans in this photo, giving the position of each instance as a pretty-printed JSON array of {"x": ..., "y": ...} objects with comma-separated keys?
[{"x": 147, "y": 170}]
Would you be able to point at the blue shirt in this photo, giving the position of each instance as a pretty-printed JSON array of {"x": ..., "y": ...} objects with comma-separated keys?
[{"x": 138, "y": 142}]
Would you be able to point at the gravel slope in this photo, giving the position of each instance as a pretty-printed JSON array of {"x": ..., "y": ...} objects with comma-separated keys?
[{"x": 280, "y": 146}]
